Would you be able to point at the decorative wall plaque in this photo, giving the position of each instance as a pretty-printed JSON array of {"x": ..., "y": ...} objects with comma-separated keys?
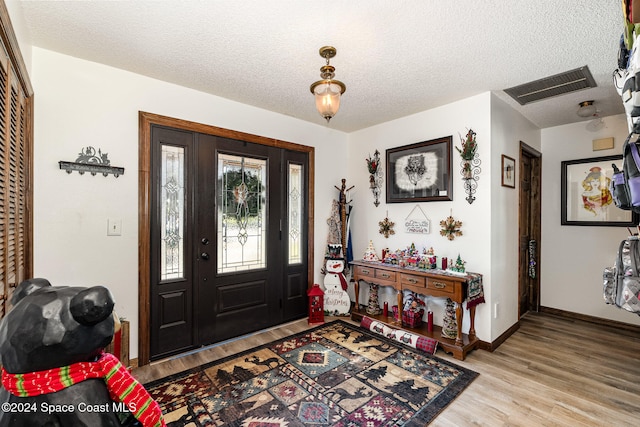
[
  {"x": 90, "y": 161},
  {"x": 417, "y": 221}
]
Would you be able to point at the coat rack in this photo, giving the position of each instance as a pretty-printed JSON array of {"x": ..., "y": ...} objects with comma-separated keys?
[
  {"x": 344, "y": 214},
  {"x": 89, "y": 161}
]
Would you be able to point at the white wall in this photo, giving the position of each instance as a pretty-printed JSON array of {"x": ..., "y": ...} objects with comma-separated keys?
[
  {"x": 573, "y": 257},
  {"x": 21, "y": 31},
  {"x": 80, "y": 104},
  {"x": 508, "y": 128},
  {"x": 474, "y": 245}
]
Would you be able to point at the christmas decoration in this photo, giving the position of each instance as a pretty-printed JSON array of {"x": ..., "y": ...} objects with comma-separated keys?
[
  {"x": 469, "y": 146},
  {"x": 386, "y": 227},
  {"x": 470, "y": 164},
  {"x": 459, "y": 265},
  {"x": 373, "y": 307},
  {"x": 370, "y": 253},
  {"x": 449, "y": 324},
  {"x": 336, "y": 298},
  {"x": 450, "y": 228},
  {"x": 375, "y": 177}
]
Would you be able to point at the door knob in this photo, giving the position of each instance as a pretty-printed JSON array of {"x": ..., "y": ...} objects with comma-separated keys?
[
  {"x": 204, "y": 256},
  {"x": 204, "y": 241}
]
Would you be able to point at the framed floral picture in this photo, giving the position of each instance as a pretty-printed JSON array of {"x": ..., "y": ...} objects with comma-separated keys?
[
  {"x": 586, "y": 197},
  {"x": 420, "y": 172}
]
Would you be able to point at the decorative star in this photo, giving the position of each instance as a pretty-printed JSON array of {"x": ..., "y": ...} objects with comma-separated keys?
[
  {"x": 450, "y": 228},
  {"x": 386, "y": 227}
]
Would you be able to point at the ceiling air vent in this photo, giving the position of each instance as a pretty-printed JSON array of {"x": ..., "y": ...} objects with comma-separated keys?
[{"x": 569, "y": 81}]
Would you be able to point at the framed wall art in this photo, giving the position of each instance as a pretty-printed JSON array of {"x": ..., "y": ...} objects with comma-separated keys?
[
  {"x": 420, "y": 172},
  {"x": 508, "y": 172},
  {"x": 585, "y": 195}
]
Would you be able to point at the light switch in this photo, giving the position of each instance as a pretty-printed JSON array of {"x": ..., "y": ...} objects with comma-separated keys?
[{"x": 114, "y": 227}]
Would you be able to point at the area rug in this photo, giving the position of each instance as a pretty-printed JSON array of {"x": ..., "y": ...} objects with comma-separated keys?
[{"x": 335, "y": 374}]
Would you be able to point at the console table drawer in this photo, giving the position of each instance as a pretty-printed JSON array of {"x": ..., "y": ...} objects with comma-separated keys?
[
  {"x": 377, "y": 276},
  {"x": 386, "y": 275},
  {"x": 441, "y": 286},
  {"x": 411, "y": 280},
  {"x": 365, "y": 271}
]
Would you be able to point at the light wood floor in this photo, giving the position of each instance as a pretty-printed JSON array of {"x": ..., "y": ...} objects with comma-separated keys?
[{"x": 552, "y": 372}]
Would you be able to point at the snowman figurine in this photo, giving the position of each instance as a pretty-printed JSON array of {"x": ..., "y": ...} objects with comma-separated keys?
[{"x": 336, "y": 298}]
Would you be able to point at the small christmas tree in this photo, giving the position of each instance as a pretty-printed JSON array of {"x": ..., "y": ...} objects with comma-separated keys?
[
  {"x": 449, "y": 323},
  {"x": 373, "y": 307},
  {"x": 459, "y": 265},
  {"x": 370, "y": 253}
]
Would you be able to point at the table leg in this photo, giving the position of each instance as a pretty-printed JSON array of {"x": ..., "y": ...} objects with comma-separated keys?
[
  {"x": 399, "y": 298},
  {"x": 472, "y": 327},
  {"x": 459, "y": 318},
  {"x": 357, "y": 291}
]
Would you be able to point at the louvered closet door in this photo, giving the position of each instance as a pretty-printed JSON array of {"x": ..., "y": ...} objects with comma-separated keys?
[{"x": 13, "y": 184}]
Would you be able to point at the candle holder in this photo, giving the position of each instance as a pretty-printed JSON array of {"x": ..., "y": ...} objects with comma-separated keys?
[
  {"x": 470, "y": 175},
  {"x": 470, "y": 164},
  {"x": 375, "y": 177}
]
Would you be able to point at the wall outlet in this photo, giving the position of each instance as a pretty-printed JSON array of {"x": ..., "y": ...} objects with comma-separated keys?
[{"x": 495, "y": 310}]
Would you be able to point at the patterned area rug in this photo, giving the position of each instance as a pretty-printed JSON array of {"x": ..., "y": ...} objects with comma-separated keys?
[{"x": 335, "y": 374}]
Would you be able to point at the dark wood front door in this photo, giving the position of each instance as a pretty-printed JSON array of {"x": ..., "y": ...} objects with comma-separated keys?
[
  {"x": 228, "y": 239},
  {"x": 529, "y": 234}
]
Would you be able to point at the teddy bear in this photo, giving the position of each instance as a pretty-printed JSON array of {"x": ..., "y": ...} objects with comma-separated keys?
[{"x": 54, "y": 370}]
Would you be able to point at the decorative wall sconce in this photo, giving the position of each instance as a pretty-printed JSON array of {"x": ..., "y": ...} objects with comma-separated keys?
[
  {"x": 375, "y": 177},
  {"x": 327, "y": 91},
  {"x": 470, "y": 164},
  {"x": 89, "y": 161}
]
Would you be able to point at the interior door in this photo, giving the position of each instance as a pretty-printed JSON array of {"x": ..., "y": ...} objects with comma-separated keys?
[
  {"x": 228, "y": 238},
  {"x": 530, "y": 231}
]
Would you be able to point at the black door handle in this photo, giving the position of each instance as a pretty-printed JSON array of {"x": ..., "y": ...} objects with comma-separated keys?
[{"x": 204, "y": 256}]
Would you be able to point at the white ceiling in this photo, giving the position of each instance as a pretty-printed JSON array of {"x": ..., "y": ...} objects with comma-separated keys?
[{"x": 395, "y": 57}]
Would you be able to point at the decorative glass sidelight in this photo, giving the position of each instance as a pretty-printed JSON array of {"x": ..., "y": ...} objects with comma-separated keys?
[
  {"x": 241, "y": 215},
  {"x": 295, "y": 213},
  {"x": 172, "y": 213}
]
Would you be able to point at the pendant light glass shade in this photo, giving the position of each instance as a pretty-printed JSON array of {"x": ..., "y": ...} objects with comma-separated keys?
[
  {"x": 586, "y": 109},
  {"x": 327, "y": 95},
  {"x": 327, "y": 91}
]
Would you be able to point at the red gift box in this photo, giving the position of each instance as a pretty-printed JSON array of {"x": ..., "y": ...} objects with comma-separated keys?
[{"x": 411, "y": 319}]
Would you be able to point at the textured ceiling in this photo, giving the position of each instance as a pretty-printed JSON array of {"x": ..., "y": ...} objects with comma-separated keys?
[{"x": 395, "y": 57}]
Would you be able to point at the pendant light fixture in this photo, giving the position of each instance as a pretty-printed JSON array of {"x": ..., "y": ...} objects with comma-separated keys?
[
  {"x": 327, "y": 91},
  {"x": 586, "y": 109}
]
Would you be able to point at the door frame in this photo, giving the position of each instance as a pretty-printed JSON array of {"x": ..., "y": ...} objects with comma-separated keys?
[
  {"x": 536, "y": 167},
  {"x": 145, "y": 121}
]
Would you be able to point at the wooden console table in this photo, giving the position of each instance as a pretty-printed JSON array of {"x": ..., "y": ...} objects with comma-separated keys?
[{"x": 424, "y": 282}]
